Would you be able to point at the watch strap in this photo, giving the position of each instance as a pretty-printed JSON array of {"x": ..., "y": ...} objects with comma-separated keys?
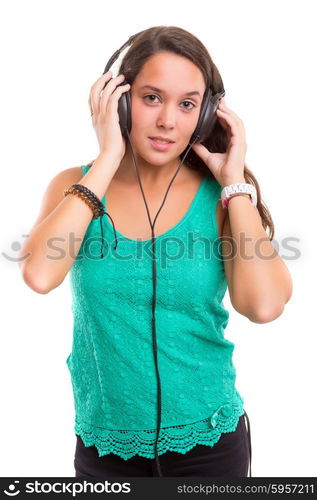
[{"x": 234, "y": 189}]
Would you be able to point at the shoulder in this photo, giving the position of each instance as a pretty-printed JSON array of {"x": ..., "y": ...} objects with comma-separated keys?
[
  {"x": 63, "y": 179},
  {"x": 54, "y": 192},
  {"x": 72, "y": 174},
  {"x": 75, "y": 173}
]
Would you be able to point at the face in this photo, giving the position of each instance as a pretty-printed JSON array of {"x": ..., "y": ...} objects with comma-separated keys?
[{"x": 166, "y": 97}]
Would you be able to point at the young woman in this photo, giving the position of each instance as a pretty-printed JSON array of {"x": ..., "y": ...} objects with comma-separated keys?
[{"x": 152, "y": 323}]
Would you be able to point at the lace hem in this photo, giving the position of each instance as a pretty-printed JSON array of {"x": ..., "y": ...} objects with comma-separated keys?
[{"x": 180, "y": 438}]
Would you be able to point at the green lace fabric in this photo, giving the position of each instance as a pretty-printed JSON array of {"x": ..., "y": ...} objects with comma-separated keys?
[
  {"x": 111, "y": 361},
  {"x": 179, "y": 438}
]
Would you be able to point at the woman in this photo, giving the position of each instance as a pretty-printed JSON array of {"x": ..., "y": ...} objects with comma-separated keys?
[{"x": 201, "y": 428}]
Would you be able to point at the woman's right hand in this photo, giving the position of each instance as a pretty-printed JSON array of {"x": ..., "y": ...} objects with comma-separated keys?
[{"x": 103, "y": 102}]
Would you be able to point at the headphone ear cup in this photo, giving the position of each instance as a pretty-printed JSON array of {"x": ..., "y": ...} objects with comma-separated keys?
[
  {"x": 124, "y": 112},
  {"x": 207, "y": 117}
]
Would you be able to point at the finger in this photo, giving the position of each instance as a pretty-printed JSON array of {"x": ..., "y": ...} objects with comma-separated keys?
[
  {"x": 119, "y": 90},
  {"x": 115, "y": 96},
  {"x": 96, "y": 89},
  {"x": 202, "y": 151},
  {"x": 229, "y": 121},
  {"x": 100, "y": 83},
  {"x": 222, "y": 117},
  {"x": 102, "y": 98},
  {"x": 110, "y": 86},
  {"x": 223, "y": 101},
  {"x": 223, "y": 107}
]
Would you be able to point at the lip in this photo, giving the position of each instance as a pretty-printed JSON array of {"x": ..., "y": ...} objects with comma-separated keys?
[
  {"x": 158, "y": 146},
  {"x": 161, "y": 137}
]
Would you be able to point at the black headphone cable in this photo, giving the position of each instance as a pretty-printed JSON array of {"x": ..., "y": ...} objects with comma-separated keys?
[
  {"x": 154, "y": 298},
  {"x": 154, "y": 287}
]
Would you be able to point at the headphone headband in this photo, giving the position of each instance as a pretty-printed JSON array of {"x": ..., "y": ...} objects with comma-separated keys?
[{"x": 118, "y": 52}]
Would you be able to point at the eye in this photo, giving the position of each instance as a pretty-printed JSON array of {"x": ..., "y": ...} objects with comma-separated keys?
[
  {"x": 149, "y": 98},
  {"x": 189, "y": 102},
  {"x": 150, "y": 95}
]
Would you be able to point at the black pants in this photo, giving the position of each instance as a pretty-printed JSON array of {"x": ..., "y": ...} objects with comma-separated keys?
[{"x": 229, "y": 457}]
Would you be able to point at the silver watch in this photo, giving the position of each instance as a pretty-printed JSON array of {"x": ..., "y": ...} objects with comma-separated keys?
[{"x": 229, "y": 191}]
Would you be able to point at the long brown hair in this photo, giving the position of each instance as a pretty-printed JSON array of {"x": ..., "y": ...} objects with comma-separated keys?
[{"x": 183, "y": 43}]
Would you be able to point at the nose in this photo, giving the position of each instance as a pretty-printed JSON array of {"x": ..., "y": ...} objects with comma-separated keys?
[{"x": 166, "y": 117}]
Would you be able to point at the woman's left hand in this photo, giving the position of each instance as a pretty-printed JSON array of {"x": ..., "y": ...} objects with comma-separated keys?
[{"x": 227, "y": 167}]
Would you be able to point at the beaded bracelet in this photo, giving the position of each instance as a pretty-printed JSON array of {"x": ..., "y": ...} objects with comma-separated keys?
[
  {"x": 88, "y": 197},
  {"x": 94, "y": 204}
]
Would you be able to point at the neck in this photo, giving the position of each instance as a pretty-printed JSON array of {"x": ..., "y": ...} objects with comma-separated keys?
[{"x": 153, "y": 175}]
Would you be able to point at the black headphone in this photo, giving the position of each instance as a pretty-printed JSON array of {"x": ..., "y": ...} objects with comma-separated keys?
[{"x": 205, "y": 124}]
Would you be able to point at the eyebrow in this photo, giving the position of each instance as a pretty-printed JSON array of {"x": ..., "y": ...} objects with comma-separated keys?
[{"x": 193, "y": 92}]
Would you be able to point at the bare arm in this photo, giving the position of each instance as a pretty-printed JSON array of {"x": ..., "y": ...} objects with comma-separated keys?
[
  {"x": 64, "y": 220},
  {"x": 259, "y": 282}
]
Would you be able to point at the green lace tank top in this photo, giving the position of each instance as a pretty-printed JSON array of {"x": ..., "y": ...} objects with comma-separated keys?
[{"x": 111, "y": 363}]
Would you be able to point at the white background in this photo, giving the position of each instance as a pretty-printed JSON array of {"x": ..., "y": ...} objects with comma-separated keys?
[{"x": 52, "y": 52}]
